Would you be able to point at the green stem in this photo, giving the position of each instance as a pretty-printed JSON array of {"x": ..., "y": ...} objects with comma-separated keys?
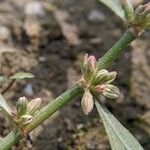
[
  {"x": 53, "y": 106},
  {"x": 12, "y": 138},
  {"x": 43, "y": 114},
  {"x": 116, "y": 50},
  {"x": 56, "y": 104}
]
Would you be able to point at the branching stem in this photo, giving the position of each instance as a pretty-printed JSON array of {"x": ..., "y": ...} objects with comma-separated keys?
[{"x": 67, "y": 96}]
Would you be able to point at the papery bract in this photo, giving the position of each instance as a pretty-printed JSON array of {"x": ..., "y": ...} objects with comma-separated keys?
[
  {"x": 87, "y": 102},
  {"x": 21, "y": 106},
  {"x": 34, "y": 105}
]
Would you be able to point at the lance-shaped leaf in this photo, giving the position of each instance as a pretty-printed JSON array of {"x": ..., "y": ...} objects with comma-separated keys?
[
  {"x": 120, "y": 138},
  {"x": 5, "y": 107},
  {"x": 22, "y": 75},
  {"x": 115, "y": 6},
  {"x": 129, "y": 10}
]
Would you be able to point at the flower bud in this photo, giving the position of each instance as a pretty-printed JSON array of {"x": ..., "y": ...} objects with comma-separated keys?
[
  {"x": 111, "y": 91},
  {"x": 84, "y": 64},
  {"x": 100, "y": 88},
  {"x": 91, "y": 63},
  {"x": 142, "y": 18},
  {"x": 139, "y": 9},
  {"x": 85, "y": 60},
  {"x": 101, "y": 77},
  {"x": 129, "y": 10},
  {"x": 141, "y": 14},
  {"x": 102, "y": 72},
  {"x": 148, "y": 16},
  {"x": 148, "y": 22},
  {"x": 145, "y": 13},
  {"x": 21, "y": 106},
  {"x": 111, "y": 76},
  {"x": 25, "y": 119},
  {"x": 88, "y": 66},
  {"x": 33, "y": 106},
  {"x": 87, "y": 102}
]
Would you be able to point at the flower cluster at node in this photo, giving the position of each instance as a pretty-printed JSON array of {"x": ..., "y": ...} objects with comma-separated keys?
[
  {"x": 95, "y": 82},
  {"x": 139, "y": 17},
  {"x": 25, "y": 111}
]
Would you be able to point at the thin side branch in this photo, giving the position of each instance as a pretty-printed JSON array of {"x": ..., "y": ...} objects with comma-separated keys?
[
  {"x": 8, "y": 87},
  {"x": 42, "y": 115}
]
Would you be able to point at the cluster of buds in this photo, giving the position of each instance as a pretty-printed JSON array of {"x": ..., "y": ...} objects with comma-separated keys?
[
  {"x": 95, "y": 82},
  {"x": 25, "y": 111},
  {"x": 139, "y": 17}
]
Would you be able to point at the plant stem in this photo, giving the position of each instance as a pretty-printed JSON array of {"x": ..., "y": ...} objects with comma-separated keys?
[
  {"x": 12, "y": 138},
  {"x": 53, "y": 106},
  {"x": 56, "y": 104},
  {"x": 8, "y": 87},
  {"x": 42, "y": 115},
  {"x": 116, "y": 50}
]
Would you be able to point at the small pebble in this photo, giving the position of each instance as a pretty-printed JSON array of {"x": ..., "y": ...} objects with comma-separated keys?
[
  {"x": 42, "y": 59},
  {"x": 80, "y": 126},
  {"x": 60, "y": 139},
  {"x": 4, "y": 34},
  {"x": 28, "y": 90},
  {"x": 34, "y": 9},
  {"x": 96, "y": 16},
  {"x": 96, "y": 41}
]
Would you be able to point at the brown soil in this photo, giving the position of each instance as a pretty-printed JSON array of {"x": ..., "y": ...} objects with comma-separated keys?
[{"x": 51, "y": 46}]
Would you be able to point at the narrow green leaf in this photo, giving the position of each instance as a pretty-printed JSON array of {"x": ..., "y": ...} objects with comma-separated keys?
[
  {"x": 115, "y": 6},
  {"x": 22, "y": 75},
  {"x": 129, "y": 10},
  {"x": 120, "y": 138},
  {"x": 4, "y": 106}
]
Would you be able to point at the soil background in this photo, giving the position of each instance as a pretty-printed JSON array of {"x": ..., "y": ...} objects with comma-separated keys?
[{"x": 49, "y": 40}]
